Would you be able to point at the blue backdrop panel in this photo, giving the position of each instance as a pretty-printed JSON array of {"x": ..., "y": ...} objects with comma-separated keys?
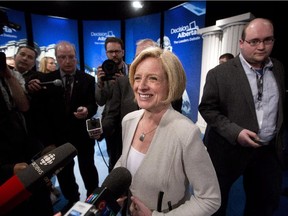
[
  {"x": 94, "y": 36},
  {"x": 48, "y": 31},
  {"x": 10, "y": 39},
  {"x": 140, "y": 28},
  {"x": 180, "y": 29}
]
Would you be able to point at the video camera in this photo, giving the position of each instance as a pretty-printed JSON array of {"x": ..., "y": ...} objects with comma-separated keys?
[{"x": 110, "y": 68}]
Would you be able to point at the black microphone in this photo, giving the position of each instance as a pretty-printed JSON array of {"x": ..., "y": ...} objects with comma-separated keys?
[
  {"x": 22, "y": 185},
  {"x": 103, "y": 200},
  {"x": 56, "y": 82}
]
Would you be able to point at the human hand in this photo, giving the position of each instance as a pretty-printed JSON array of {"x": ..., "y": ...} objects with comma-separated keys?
[
  {"x": 121, "y": 200},
  {"x": 118, "y": 74},
  {"x": 19, "y": 166},
  {"x": 34, "y": 85},
  {"x": 138, "y": 208},
  {"x": 247, "y": 138},
  {"x": 81, "y": 113},
  {"x": 100, "y": 75}
]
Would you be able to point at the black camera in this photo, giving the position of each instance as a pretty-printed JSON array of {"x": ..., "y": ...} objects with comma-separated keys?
[{"x": 110, "y": 68}]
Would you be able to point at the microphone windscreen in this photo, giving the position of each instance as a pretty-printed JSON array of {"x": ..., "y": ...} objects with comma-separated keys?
[
  {"x": 118, "y": 181},
  {"x": 20, "y": 186},
  {"x": 46, "y": 165},
  {"x": 57, "y": 82}
]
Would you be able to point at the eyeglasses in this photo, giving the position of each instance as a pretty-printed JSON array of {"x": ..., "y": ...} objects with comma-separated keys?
[
  {"x": 113, "y": 51},
  {"x": 256, "y": 42},
  {"x": 63, "y": 57}
]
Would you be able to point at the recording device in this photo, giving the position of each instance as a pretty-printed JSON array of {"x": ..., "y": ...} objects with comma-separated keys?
[
  {"x": 56, "y": 82},
  {"x": 5, "y": 22},
  {"x": 110, "y": 68},
  {"x": 102, "y": 201},
  {"x": 81, "y": 208},
  {"x": 3, "y": 64},
  {"x": 22, "y": 185},
  {"x": 94, "y": 126}
]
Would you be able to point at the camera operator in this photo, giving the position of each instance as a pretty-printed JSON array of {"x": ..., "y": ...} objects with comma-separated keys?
[{"x": 107, "y": 73}]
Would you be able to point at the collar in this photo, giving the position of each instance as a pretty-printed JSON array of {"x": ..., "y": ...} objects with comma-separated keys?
[
  {"x": 268, "y": 64},
  {"x": 62, "y": 73}
]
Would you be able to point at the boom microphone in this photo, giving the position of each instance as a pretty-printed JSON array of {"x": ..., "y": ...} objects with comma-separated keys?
[
  {"x": 103, "y": 200},
  {"x": 21, "y": 186},
  {"x": 56, "y": 82}
]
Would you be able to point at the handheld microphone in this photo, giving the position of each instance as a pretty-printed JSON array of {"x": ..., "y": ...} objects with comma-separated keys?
[
  {"x": 103, "y": 200},
  {"x": 21, "y": 186},
  {"x": 56, "y": 82}
]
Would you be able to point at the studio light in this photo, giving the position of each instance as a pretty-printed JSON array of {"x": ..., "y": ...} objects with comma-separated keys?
[{"x": 137, "y": 4}]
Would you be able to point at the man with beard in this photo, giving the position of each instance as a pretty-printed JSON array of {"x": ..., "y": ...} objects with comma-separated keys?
[{"x": 115, "y": 51}]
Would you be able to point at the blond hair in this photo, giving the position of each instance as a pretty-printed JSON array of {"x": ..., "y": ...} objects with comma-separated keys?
[{"x": 173, "y": 70}]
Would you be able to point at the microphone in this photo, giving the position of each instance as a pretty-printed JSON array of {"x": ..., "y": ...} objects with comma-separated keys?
[
  {"x": 103, "y": 200},
  {"x": 22, "y": 185},
  {"x": 56, "y": 82}
]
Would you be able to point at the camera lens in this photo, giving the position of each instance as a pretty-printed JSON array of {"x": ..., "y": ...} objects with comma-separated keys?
[{"x": 110, "y": 68}]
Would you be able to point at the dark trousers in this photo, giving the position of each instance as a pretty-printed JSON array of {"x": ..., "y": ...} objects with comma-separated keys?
[
  {"x": 262, "y": 178},
  {"x": 114, "y": 148},
  {"x": 87, "y": 166},
  {"x": 67, "y": 183}
]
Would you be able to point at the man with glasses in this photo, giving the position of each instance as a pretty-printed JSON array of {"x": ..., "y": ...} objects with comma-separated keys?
[
  {"x": 242, "y": 104},
  {"x": 64, "y": 112},
  {"x": 114, "y": 51}
]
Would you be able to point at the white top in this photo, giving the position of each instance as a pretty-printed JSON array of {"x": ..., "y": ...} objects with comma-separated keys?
[{"x": 134, "y": 160}]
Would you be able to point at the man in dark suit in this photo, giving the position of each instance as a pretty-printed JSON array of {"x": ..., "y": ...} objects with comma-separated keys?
[
  {"x": 242, "y": 104},
  {"x": 64, "y": 112}
]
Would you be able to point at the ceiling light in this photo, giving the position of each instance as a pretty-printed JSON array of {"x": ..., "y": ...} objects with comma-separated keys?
[{"x": 137, "y": 4}]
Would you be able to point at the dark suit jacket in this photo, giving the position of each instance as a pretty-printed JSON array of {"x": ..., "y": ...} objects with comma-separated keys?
[
  {"x": 48, "y": 105},
  {"x": 227, "y": 105},
  {"x": 122, "y": 103}
]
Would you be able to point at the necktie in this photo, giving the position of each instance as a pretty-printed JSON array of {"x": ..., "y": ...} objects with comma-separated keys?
[
  {"x": 259, "y": 78},
  {"x": 68, "y": 82}
]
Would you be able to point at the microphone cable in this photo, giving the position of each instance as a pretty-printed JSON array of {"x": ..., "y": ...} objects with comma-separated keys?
[{"x": 102, "y": 154}]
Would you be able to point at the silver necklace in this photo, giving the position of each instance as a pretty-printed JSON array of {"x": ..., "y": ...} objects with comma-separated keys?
[{"x": 142, "y": 136}]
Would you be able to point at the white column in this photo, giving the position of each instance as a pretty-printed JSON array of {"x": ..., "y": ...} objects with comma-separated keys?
[
  {"x": 232, "y": 29},
  {"x": 212, "y": 37},
  {"x": 219, "y": 39}
]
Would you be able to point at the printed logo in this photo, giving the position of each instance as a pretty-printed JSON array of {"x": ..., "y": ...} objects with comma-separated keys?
[
  {"x": 101, "y": 36},
  {"x": 47, "y": 159},
  {"x": 185, "y": 31}
]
